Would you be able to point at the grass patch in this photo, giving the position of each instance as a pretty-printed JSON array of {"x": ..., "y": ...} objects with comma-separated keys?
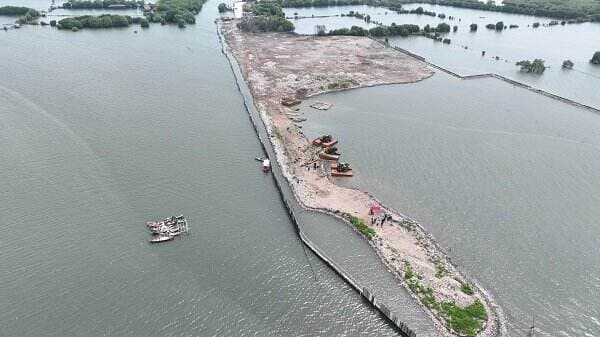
[
  {"x": 440, "y": 269},
  {"x": 408, "y": 271},
  {"x": 466, "y": 288},
  {"x": 342, "y": 84},
  {"x": 465, "y": 321},
  {"x": 362, "y": 228},
  {"x": 409, "y": 226},
  {"x": 425, "y": 294}
]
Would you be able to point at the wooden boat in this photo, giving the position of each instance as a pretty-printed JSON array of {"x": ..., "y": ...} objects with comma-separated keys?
[
  {"x": 328, "y": 156},
  {"x": 319, "y": 142}
]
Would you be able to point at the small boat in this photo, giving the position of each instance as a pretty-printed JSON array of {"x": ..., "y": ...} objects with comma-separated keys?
[
  {"x": 266, "y": 165},
  {"x": 327, "y": 156},
  {"x": 289, "y": 101},
  {"x": 329, "y": 153},
  {"x": 324, "y": 141},
  {"x": 259, "y": 159},
  {"x": 162, "y": 238}
]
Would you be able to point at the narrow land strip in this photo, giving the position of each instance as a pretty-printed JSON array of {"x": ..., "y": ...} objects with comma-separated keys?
[{"x": 280, "y": 67}]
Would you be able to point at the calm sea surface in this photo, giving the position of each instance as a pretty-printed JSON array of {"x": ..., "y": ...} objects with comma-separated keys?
[
  {"x": 507, "y": 180},
  {"x": 576, "y": 42},
  {"x": 104, "y": 130}
]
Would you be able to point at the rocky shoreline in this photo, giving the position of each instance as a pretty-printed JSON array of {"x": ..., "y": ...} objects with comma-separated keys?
[{"x": 279, "y": 65}]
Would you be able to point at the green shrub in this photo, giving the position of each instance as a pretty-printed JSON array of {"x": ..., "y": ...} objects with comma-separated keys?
[
  {"x": 443, "y": 28},
  {"x": 362, "y": 228},
  {"x": 69, "y": 23},
  {"x": 267, "y": 17},
  {"x": 536, "y": 67},
  {"x": 408, "y": 271},
  {"x": 465, "y": 321},
  {"x": 342, "y": 84},
  {"x": 29, "y": 17},
  {"x": 13, "y": 10},
  {"x": 466, "y": 288},
  {"x": 595, "y": 58}
]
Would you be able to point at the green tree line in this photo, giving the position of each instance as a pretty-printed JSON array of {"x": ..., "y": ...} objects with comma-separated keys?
[
  {"x": 26, "y": 15},
  {"x": 575, "y": 10},
  {"x": 536, "y": 66},
  {"x": 266, "y": 16},
  {"x": 100, "y": 21},
  {"x": 99, "y": 4},
  {"x": 14, "y": 10},
  {"x": 181, "y": 12}
]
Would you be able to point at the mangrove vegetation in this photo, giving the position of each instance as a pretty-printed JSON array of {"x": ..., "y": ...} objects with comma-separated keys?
[
  {"x": 265, "y": 16},
  {"x": 574, "y": 10},
  {"x": 100, "y": 4},
  {"x": 222, "y": 7},
  {"x": 568, "y": 64},
  {"x": 14, "y": 10},
  {"x": 100, "y": 21},
  {"x": 595, "y": 58},
  {"x": 536, "y": 66},
  {"x": 25, "y": 15},
  {"x": 180, "y": 12},
  {"x": 30, "y": 17}
]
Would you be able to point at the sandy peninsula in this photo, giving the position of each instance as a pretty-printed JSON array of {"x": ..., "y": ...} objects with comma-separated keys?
[{"x": 285, "y": 67}]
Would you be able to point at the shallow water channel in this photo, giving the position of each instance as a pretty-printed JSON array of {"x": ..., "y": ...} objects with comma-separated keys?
[
  {"x": 507, "y": 180},
  {"x": 554, "y": 44}
]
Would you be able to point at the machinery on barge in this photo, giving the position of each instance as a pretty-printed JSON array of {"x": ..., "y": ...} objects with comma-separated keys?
[{"x": 167, "y": 229}]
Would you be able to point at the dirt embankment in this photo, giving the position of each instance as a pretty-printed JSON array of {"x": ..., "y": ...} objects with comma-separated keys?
[{"x": 287, "y": 67}]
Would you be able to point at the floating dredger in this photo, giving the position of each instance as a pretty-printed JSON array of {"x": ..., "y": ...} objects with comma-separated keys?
[{"x": 167, "y": 229}]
